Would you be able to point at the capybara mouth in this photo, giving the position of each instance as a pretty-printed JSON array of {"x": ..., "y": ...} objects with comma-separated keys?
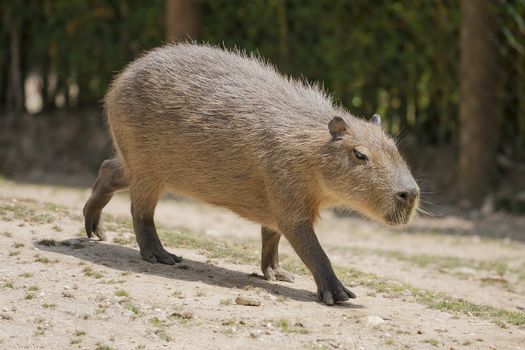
[
  {"x": 395, "y": 219},
  {"x": 399, "y": 216}
]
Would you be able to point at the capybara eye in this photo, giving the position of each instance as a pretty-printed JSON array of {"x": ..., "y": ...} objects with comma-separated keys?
[{"x": 360, "y": 155}]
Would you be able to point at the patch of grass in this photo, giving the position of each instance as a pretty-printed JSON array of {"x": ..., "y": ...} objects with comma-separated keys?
[
  {"x": 160, "y": 330},
  {"x": 100, "y": 346},
  {"x": 56, "y": 207},
  {"x": 155, "y": 322},
  {"x": 47, "y": 242},
  {"x": 200, "y": 293},
  {"x": 23, "y": 212},
  {"x": 178, "y": 294},
  {"x": 282, "y": 298},
  {"x": 134, "y": 309},
  {"x": 8, "y": 284},
  {"x": 49, "y": 306},
  {"x": 229, "y": 323},
  {"x": 181, "y": 317},
  {"x": 14, "y": 253},
  {"x": 112, "y": 281},
  {"x": 26, "y": 275},
  {"x": 29, "y": 296},
  {"x": 122, "y": 293},
  {"x": 228, "y": 331},
  {"x": 123, "y": 240},
  {"x": 101, "y": 309},
  {"x": 111, "y": 225},
  {"x": 45, "y": 218},
  {"x": 18, "y": 245},
  {"x": 28, "y": 210},
  {"x": 285, "y": 327},
  {"x": 161, "y": 333},
  {"x": 78, "y": 333},
  {"x": 235, "y": 253},
  {"x": 40, "y": 331},
  {"x": 75, "y": 341},
  {"x": 434, "y": 300},
  {"x": 7, "y": 234},
  {"x": 439, "y": 261},
  {"x": 431, "y": 341},
  {"x": 33, "y": 288},
  {"x": 389, "y": 341},
  {"x": 501, "y": 324},
  {"x": 89, "y": 272},
  {"x": 225, "y": 302},
  {"x": 45, "y": 260}
]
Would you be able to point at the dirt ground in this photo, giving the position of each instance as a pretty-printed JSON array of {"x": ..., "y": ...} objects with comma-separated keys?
[{"x": 439, "y": 283}]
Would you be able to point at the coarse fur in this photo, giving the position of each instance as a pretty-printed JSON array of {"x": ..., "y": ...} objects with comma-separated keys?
[{"x": 226, "y": 128}]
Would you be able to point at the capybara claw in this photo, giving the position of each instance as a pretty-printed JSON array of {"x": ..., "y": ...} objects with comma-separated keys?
[
  {"x": 333, "y": 293},
  {"x": 161, "y": 257},
  {"x": 277, "y": 274}
]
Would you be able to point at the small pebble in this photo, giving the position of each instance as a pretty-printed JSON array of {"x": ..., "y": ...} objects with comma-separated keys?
[
  {"x": 247, "y": 301},
  {"x": 374, "y": 321}
]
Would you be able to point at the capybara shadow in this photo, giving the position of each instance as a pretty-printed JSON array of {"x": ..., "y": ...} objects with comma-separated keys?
[{"x": 124, "y": 258}]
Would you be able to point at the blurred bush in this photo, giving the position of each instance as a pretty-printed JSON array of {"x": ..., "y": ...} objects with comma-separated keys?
[{"x": 397, "y": 58}]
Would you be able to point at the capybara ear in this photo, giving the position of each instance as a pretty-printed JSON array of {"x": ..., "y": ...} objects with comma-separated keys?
[
  {"x": 337, "y": 127},
  {"x": 376, "y": 119}
]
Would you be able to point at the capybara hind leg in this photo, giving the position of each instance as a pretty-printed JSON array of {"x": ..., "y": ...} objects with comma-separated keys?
[
  {"x": 111, "y": 178},
  {"x": 270, "y": 257},
  {"x": 143, "y": 203}
]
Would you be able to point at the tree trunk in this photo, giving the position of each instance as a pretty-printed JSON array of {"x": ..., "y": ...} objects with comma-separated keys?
[
  {"x": 479, "y": 108},
  {"x": 15, "y": 86},
  {"x": 182, "y": 20}
]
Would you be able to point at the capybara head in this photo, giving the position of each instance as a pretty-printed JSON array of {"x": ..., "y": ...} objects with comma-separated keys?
[{"x": 364, "y": 171}]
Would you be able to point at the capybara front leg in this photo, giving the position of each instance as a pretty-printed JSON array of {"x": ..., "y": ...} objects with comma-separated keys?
[
  {"x": 143, "y": 202},
  {"x": 305, "y": 243},
  {"x": 270, "y": 257},
  {"x": 111, "y": 178}
]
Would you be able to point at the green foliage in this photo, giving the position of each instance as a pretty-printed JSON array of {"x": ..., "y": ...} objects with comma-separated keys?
[
  {"x": 82, "y": 42},
  {"x": 398, "y": 58}
]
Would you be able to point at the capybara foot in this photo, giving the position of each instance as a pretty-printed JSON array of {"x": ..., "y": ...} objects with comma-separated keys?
[
  {"x": 160, "y": 256},
  {"x": 332, "y": 291},
  {"x": 92, "y": 222},
  {"x": 277, "y": 274}
]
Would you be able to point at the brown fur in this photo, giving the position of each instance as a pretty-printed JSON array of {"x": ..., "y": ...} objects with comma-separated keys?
[{"x": 228, "y": 129}]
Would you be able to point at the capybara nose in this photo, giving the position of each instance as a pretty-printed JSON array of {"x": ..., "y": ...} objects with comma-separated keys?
[{"x": 407, "y": 196}]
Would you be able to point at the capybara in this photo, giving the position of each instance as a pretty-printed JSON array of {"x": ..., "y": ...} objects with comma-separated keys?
[{"x": 226, "y": 128}]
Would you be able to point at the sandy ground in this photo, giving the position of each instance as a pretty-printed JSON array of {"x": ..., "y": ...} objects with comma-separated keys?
[{"x": 93, "y": 295}]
